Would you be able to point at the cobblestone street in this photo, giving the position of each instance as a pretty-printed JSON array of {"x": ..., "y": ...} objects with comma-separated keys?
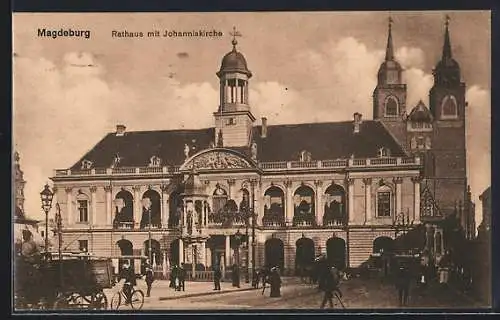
[{"x": 357, "y": 294}]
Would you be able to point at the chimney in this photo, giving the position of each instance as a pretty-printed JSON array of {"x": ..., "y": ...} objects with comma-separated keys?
[
  {"x": 357, "y": 121},
  {"x": 263, "y": 130},
  {"x": 120, "y": 130}
]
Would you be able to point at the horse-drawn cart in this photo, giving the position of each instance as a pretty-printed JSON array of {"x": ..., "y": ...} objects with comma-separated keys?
[{"x": 69, "y": 283}]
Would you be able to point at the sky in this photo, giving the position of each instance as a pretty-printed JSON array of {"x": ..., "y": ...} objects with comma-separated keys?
[{"x": 307, "y": 67}]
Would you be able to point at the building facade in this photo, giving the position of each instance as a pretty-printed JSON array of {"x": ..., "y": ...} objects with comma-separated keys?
[{"x": 261, "y": 194}]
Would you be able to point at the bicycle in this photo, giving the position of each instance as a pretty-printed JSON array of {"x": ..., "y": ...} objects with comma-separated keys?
[{"x": 136, "y": 299}]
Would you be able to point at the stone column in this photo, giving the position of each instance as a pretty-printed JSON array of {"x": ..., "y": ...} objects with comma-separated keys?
[
  {"x": 230, "y": 183},
  {"x": 258, "y": 203},
  {"x": 208, "y": 256},
  {"x": 109, "y": 206},
  {"x": 137, "y": 206},
  {"x": 397, "y": 183},
  {"x": 165, "y": 208},
  {"x": 93, "y": 200},
  {"x": 350, "y": 200},
  {"x": 289, "y": 203},
  {"x": 416, "y": 199},
  {"x": 181, "y": 251},
  {"x": 69, "y": 206},
  {"x": 203, "y": 253},
  {"x": 368, "y": 200},
  {"x": 319, "y": 202},
  {"x": 227, "y": 256}
]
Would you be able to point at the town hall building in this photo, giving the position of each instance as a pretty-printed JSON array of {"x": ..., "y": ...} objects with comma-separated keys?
[{"x": 251, "y": 193}]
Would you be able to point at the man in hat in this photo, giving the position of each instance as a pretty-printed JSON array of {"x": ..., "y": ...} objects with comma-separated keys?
[
  {"x": 403, "y": 284},
  {"x": 275, "y": 283},
  {"x": 130, "y": 280},
  {"x": 236, "y": 276},
  {"x": 217, "y": 277},
  {"x": 149, "y": 278}
]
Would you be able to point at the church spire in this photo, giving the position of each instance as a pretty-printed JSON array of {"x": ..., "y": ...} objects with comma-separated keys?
[
  {"x": 389, "y": 52},
  {"x": 447, "y": 43}
]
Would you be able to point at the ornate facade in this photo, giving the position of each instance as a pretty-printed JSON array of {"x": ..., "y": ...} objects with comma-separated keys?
[{"x": 280, "y": 194}]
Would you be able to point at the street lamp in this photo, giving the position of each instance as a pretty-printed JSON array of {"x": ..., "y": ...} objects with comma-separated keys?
[
  {"x": 237, "y": 238},
  {"x": 46, "y": 196}
]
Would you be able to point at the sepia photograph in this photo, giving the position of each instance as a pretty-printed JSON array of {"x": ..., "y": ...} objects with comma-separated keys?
[{"x": 251, "y": 161}]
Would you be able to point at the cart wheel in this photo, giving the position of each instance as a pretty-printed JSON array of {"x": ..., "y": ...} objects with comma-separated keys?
[
  {"x": 101, "y": 301},
  {"x": 137, "y": 299},
  {"x": 116, "y": 301},
  {"x": 61, "y": 303}
]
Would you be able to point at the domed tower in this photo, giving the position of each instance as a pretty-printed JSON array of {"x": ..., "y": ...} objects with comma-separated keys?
[
  {"x": 447, "y": 106},
  {"x": 233, "y": 119},
  {"x": 389, "y": 96}
]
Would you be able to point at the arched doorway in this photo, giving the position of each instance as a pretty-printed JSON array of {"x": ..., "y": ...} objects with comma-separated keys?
[
  {"x": 175, "y": 209},
  {"x": 151, "y": 206},
  {"x": 303, "y": 203},
  {"x": 274, "y": 206},
  {"x": 274, "y": 253},
  {"x": 156, "y": 254},
  {"x": 335, "y": 206},
  {"x": 126, "y": 249},
  {"x": 124, "y": 209},
  {"x": 174, "y": 252},
  {"x": 304, "y": 254},
  {"x": 336, "y": 252},
  {"x": 383, "y": 244}
]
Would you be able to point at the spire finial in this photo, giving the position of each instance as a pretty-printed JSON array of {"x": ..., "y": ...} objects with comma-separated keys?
[
  {"x": 235, "y": 34},
  {"x": 389, "y": 53},
  {"x": 447, "y": 42}
]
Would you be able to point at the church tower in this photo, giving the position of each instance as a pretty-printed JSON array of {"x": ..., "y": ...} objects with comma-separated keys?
[
  {"x": 233, "y": 120},
  {"x": 389, "y": 96},
  {"x": 448, "y": 151}
]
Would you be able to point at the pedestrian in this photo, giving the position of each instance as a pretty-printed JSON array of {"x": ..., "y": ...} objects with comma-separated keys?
[
  {"x": 181, "y": 278},
  {"x": 255, "y": 279},
  {"x": 173, "y": 277},
  {"x": 236, "y": 276},
  {"x": 149, "y": 278},
  {"x": 403, "y": 279},
  {"x": 329, "y": 283},
  {"x": 275, "y": 283},
  {"x": 217, "y": 277}
]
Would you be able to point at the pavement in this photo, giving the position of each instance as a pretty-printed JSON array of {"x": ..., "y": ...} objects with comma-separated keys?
[{"x": 357, "y": 294}]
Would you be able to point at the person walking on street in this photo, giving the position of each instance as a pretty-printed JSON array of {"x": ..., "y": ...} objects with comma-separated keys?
[
  {"x": 329, "y": 283},
  {"x": 403, "y": 279},
  {"x": 217, "y": 277},
  {"x": 236, "y": 276},
  {"x": 181, "y": 276},
  {"x": 173, "y": 277},
  {"x": 275, "y": 283},
  {"x": 149, "y": 279},
  {"x": 255, "y": 279}
]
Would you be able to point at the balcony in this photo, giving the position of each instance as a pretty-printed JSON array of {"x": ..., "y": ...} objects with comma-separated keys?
[
  {"x": 227, "y": 219},
  {"x": 124, "y": 225},
  {"x": 265, "y": 166}
]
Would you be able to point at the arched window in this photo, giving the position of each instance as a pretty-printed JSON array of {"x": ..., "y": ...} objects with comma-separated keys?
[
  {"x": 124, "y": 209},
  {"x": 449, "y": 107},
  {"x": 335, "y": 206},
  {"x": 384, "y": 200},
  {"x": 391, "y": 107},
  {"x": 274, "y": 205},
  {"x": 151, "y": 209},
  {"x": 219, "y": 198},
  {"x": 303, "y": 200},
  {"x": 82, "y": 202}
]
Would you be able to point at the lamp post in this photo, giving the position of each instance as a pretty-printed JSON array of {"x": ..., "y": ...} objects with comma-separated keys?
[
  {"x": 247, "y": 276},
  {"x": 58, "y": 219},
  {"x": 252, "y": 212},
  {"x": 237, "y": 238},
  {"x": 46, "y": 196}
]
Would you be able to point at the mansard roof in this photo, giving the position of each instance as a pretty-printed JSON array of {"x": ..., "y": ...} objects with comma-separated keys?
[{"x": 334, "y": 140}]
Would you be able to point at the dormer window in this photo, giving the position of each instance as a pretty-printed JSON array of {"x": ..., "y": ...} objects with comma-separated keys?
[
  {"x": 305, "y": 156},
  {"x": 383, "y": 152},
  {"x": 86, "y": 164},
  {"x": 154, "y": 161}
]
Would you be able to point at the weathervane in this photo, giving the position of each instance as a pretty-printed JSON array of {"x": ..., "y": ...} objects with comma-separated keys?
[{"x": 235, "y": 34}]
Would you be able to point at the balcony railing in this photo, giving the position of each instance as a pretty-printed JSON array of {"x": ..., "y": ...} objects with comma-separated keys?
[
  {"x": 266, "y": 166},
  {"x": 126, "y": 225}
]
